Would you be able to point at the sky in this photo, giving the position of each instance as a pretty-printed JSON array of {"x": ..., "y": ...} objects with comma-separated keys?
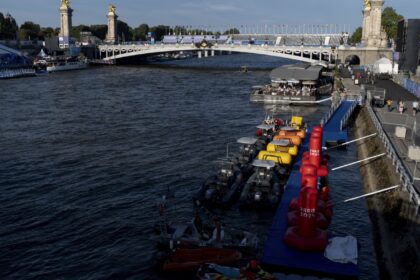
[{"x": 210, "y": 14}]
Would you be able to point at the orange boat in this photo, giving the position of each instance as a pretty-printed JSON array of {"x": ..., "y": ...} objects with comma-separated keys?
[
  {"x": 184, "y": 260},
  {"x": 294, "y": 139},
  {"x": 286, "y": 131}
]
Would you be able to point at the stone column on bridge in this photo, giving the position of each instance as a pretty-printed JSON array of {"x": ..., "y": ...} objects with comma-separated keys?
[
  {"x": 65, "y": 19},
  {"x": 366, "y": 23},
  {"x": 375, "y": 36},
  {"x": 111, "y": 36}
]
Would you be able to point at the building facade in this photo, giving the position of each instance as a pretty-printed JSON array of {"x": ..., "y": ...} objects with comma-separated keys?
[{"x": 408, "y": 45}]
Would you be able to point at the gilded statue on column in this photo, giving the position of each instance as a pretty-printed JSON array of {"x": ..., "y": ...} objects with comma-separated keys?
[
  {"x": 65, "y": 3},
  {"x": 367, "y": 5},
  {"x": 111, "y": 9}
]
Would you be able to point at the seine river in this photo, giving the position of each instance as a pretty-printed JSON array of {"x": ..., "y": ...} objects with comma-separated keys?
[{"x": 85, "y": 155}]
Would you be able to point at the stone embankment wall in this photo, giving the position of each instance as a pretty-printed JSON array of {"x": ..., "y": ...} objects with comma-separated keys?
[{"x": 395, "y": 228}]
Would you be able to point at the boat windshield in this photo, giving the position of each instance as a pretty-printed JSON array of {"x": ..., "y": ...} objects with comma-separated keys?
[
  {"x": 247, "y": 140},
  {"x": 263, "y": 163}
]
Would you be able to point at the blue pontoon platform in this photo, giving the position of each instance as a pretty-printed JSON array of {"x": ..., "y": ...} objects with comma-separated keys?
[
  {"x": 333, "y": 130},
  {"x": 277, "y": 254}
]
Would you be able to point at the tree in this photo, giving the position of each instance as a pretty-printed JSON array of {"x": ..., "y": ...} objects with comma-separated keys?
[
  {"x": 390, "y": 19},
  {"x": 1, "y": 23},
  {"x": 29, "y": 31},
  {"x": 231, "y": 31},
  {"x": 356, "y": 37},
  {"x": 99, "y": 30},
  {"x": 9, "y": 27},
  {"x": 124, "y": 31},
  {"x": 47, "y": 32},
  {"x": 160, "y": 31},
  {"x": 140, "y": 32},
  {"x": 79, "y": 28}
]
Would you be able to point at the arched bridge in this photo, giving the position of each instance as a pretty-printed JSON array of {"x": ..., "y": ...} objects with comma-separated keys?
[{"x": 301, "y": 53}]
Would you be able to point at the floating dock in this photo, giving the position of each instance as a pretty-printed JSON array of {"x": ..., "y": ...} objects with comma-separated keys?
[
  {"x": 277, "y": 254},
  {"x": 334, "y": 131}
]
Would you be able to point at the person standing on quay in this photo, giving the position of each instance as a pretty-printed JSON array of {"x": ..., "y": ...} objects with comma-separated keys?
[
  {"x": 401, "y": 107},
  {"x": 389, "y": 104},
  {"x": 415, "y": 107}
]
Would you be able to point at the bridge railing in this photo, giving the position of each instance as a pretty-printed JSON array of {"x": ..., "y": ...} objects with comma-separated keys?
[{"x": 330, "y": 112}]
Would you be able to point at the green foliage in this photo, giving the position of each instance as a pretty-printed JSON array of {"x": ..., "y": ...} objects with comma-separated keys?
[
  {"x": 356, "y": 37},
  {"x": 47, "y": 32},
  {"x": 29, "y": 31},
  {"x": 124, "y": 31},
  {"x": 8, "y": 27},
  {"x": 390, "y": 19},
  {"x": 231, "y": 31},
  {"x": 79, "y": 28},
  {"x": 99, "y": 30},
  {"x": 140, "y": 32},
  {"x": 160, "y": 31}
]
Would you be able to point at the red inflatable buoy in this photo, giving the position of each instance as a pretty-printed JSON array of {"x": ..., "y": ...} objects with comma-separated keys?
[
  {"x": 315, "y": 145},
  {"x": 316, "y": 243},
  {"x": 322, "y": 171},
  {"x": 308, "y": 207},
  {"x": 321, "y": 221}
]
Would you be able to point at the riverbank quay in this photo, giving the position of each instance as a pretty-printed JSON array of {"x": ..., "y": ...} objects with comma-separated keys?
[
  {"x": 279, "y": 256},
  {"x": 394, "y": 215},
  {"x": 395, "y": 223}
]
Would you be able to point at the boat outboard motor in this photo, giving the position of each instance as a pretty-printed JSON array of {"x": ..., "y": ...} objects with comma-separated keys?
[
  {"x": 258, "y": 196},
  {"x": 209, "y": 193}
]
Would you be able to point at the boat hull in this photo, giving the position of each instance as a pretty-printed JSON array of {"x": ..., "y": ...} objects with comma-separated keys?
[
  {"x": 67, "y": 67},
  {"x": 286, "y": 100},
  {"x": 184, "y": 260}
]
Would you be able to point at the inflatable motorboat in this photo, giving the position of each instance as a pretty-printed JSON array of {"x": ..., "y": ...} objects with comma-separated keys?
[
  {"x": 220, "y": 189},
  {"x": 262, "y": 190}
]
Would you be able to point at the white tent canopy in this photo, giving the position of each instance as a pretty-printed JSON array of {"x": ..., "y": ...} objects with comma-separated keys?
[{"x": 384, "y": 65}]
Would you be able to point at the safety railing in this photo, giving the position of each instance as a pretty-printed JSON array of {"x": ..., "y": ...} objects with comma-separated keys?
[
  {"x": 345, "y": 119},
  {"x": 330, "y": 112},
  {"x": 405, "y": 178}
]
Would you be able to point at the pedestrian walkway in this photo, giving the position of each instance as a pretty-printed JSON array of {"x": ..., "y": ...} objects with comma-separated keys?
[
  {"x": 389, "y": 119},
  {"x": 395, "y": 91}
]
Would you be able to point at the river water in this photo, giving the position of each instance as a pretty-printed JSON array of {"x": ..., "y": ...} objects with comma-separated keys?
[{"x": 85, "y": 155}]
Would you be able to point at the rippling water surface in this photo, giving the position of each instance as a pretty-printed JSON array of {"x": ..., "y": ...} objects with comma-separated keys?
[{"x": 84, "y": 156}]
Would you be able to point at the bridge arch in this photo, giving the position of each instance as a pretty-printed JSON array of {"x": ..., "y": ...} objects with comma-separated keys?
[
  {"x": 352, "y": 59},
  {"x": 299, "y": 53}
]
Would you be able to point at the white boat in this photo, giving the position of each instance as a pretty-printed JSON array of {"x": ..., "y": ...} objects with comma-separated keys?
[
  {"x": 298, "y": 84},
  {"x": 66, "y": 64}
]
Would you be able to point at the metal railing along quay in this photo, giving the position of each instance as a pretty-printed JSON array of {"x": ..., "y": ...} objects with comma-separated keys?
[{"x": 406, "y": 179}]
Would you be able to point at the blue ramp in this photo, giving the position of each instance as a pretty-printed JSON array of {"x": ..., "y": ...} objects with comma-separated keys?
[{"x": 332, "y": 129}]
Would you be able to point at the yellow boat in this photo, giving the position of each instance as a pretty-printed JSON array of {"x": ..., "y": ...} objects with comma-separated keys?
[
  {"x": 284, "y": 146},
  {"x": 297, "y": 122},
  {"x": 277, "y": 157}
]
